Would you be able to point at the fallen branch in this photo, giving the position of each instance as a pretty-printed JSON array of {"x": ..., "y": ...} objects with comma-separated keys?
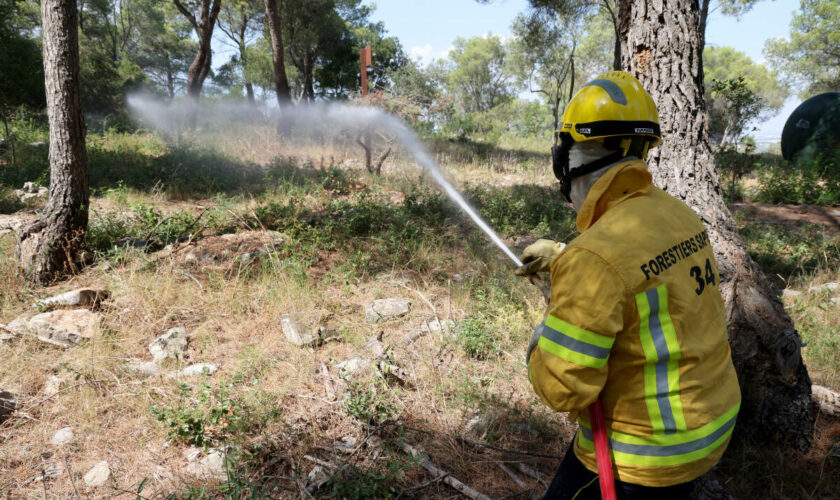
[
  {"x": 474, "y": 442},
  {"x": 435, "y": 471},
  {"x": 525, "y": 469},
  {"x": 516, "y": 479},
  {"x": 828, "y": 400}
]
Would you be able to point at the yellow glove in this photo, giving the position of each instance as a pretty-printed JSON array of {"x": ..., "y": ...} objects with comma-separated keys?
[{"x": 537, "y": 257}]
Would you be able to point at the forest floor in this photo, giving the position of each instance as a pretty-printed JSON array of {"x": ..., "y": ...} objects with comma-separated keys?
[{"x": 225, "y": 241}]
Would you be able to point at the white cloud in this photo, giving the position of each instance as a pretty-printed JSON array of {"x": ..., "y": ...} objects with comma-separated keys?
[
  {"x": 421, "y": 54},
  {"x": 445, "y": 53}
]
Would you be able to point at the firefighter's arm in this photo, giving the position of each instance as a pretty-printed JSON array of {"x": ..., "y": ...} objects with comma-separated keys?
[{"x": 568, "y": 366}]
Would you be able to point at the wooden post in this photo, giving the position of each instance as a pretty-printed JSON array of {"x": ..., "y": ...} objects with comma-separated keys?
[{"x": 364, "y": 62}]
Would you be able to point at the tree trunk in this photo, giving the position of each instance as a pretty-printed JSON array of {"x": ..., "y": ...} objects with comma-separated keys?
[
  {"x": 203, "y": 26},
  {"x": 49, "y": 248},
  {"x": 281, "y": 83},
  {"x": 662, "y": 45}
]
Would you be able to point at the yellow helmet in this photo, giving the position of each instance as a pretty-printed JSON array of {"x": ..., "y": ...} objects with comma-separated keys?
[{"x": 613, "y": 104}]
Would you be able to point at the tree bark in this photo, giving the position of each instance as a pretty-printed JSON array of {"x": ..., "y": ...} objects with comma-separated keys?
[
  {"x": 203, "y": 26},
  {"x": 50, "y": 247},
  {"x": 662, "y": 45},
  {"x": 281, "y": 83}
]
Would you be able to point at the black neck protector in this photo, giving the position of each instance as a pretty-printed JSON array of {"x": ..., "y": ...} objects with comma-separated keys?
[{"x": 563, "y": 171}]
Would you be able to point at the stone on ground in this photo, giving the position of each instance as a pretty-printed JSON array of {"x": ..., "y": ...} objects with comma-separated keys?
[
  {"x": 98, "y": 474},
  {"x": 828, "y": 287},
  {"x": 788, "y": 293},
  {"x": 8, "y": 404},
  {"x": 52, "y": 385},
  {"x": 88, "y": 298},
  {"x": 210, "y": 467},
  {"x": 385, "y": 309},
  {"x": 62, "y": 437},
  {"x": 65, "y": 328},
  {"x": 198, "y": 369},
  {"x": 353, "y": 366},
  {"x": 149, "y": 368},
  {"x": 172, "y": 344},
  {"x": 304, "y": 328},
  {"x": 31, "y": 191}
]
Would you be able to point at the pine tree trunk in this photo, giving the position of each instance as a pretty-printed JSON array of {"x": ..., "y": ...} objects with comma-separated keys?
[
  {"x": 50, "y": 247},
  {"x": 203, "y": 26},
  {"x": 662, "y": 45},
  {"x": 281, "y": 83}
]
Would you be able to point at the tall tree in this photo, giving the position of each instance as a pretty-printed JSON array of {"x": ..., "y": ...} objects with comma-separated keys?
[
  {"x": 811, "y": 57},
  {"x": 662, "y": 45},
  {"x": 203, "y": 24},
  {"x": 281, "y": 82},
  {"x": 738, "y": 92},
  {"x": 567, "y": 8},
  {"x": 49, "y": 247},
  {"x": 238, "y": 21},
  {"x": 479, "y": 78},
  {"x": 162, "y": 47}
]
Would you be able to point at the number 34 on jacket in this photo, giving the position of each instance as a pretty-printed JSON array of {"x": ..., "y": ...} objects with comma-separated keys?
[{"x": 637, "y": 317}]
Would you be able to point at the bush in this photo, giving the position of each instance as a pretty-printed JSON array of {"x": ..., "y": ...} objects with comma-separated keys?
[
  {"x": 205, "y": 415},
  {"x": 477, "y": 337},
  {"x": 812, "y": 179}
]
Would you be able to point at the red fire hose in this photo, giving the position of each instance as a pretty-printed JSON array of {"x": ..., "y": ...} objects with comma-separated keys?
[{"x": 602, "y": 451}]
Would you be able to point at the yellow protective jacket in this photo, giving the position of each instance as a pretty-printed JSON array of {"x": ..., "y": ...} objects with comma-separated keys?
[{"x": 636, "y": 316}]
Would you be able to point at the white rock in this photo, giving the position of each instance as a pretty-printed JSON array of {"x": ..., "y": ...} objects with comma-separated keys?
[
  {"x": 385, "y": 309},
  {"x": 828, "y": 287},
  {"x": 304, "y": 328},
  {"x": 787, "y": 293},
  {"x": 52, "y": 385},
  {"x": 437, "y": 326},
  {"x": 98, "y": 474},
  {"x": 83, "y": 297},
  {"x": 376, "y": 346},
  {"x": 148, "y": 368},
  {"x": 171, "y": 344},
  {"x": 192, "y": 454},
  {"x": 50, "y": 470},
  {"x": 210, "y": 467},
  {"x": 198, "y": 369},
  {"x": 8, "y": 404},
  {"x": 353, "y": 366},
  {"x": 835, "y": 300},
  {"x": 65, "y": 328},
  {"x": 62, "y": 437}
]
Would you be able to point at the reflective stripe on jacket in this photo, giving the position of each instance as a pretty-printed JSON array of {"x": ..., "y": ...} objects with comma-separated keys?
[{"x": 636, "y": 315}]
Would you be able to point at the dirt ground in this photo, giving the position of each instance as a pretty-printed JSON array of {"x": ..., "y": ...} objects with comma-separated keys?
[{"x": 792, "y": 216}]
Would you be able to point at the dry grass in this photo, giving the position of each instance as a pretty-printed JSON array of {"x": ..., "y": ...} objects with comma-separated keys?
[{"x": 232, "y": 314}]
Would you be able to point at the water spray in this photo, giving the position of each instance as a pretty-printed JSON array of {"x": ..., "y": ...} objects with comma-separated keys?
[{"x": 314, "y": 119}]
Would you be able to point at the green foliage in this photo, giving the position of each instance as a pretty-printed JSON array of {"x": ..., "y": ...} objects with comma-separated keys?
[
  {"x": 813, "y": 179},
  {"x": 789, "y": 252},
  {"x": 368, "y": 403},
  {"x": 355, "y": 483},
  {"x": 739, "y": 91},
  {"x": 811, "y": 57},
  {"x": 207, "y": 414},
  {"x": 20, "y": 56},
  {"x": 524, "y": 210},
  {"x": 734, "y": 106},
  {"x": 478, "y": 77},
  {"x": 477, "y": 337},
  {"x": 9, "y": 203}
]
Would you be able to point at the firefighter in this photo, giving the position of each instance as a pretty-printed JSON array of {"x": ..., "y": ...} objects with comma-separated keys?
[{"x": 635, "y": 313}]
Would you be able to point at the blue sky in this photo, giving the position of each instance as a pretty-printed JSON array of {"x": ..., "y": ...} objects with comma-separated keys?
[{"x": 427, "y": 28}]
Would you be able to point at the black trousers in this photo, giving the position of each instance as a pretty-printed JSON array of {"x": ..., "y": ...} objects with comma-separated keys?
[{"x": 574, "y": 481}]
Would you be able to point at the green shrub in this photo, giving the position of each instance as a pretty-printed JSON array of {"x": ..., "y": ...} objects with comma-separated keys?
[
  {"x": 477, "y": 337},
  {"x": 205, "y": 415},
  {"x": 368, "y": 404},
  {"x": 356, "y": 483}
]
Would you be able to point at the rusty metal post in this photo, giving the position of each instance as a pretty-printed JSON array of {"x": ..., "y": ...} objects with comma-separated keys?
[{"x": 365, "y": 60}]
